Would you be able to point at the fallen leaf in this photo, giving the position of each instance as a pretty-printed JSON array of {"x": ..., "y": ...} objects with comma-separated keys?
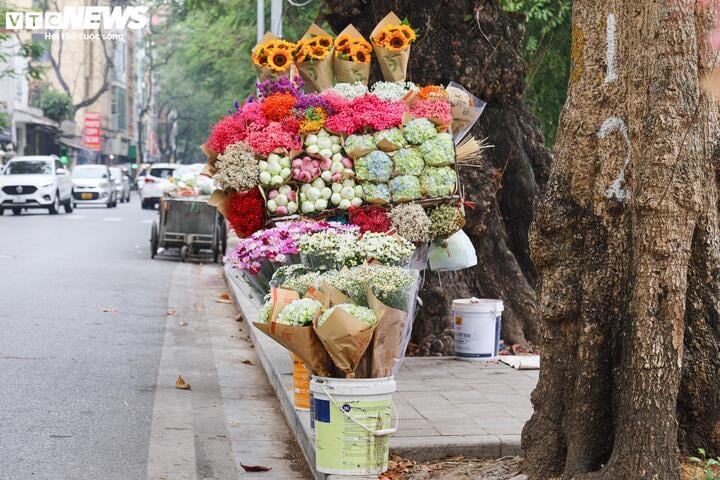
[
  {"x": 255, "y": 468},
  {"x": 239, "y": 317},
  {"x": 224, "y": 298},
  {"x": 108, "y": 310},
  {"x": 171, "y": 312},
  {"x": 248, "y": 362},
  {"x": 183, "y": 323},
  {"x": 181, "y": 384}
]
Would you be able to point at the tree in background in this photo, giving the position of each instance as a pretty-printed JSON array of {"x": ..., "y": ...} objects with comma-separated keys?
[
  {"x": 480, "y": 46},
  {"x": 626, "y": 239}
]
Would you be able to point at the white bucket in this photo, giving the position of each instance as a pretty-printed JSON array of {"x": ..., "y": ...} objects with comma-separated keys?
[
  {"x": 477, "y": 328},
  {"x": 352, "y": 424}
]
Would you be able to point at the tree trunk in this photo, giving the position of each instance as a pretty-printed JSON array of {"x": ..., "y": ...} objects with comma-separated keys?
[
  {"x": 478, "y": 45},
  {"x": 625, "y": 240}
]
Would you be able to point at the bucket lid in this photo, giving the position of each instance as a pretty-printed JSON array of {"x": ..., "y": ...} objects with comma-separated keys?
[
  {"x": 484, "y": 305},
  {"x": 353, "y": 386}
]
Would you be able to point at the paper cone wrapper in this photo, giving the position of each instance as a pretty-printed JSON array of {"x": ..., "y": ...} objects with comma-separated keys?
[
  {"x": 345, "y": 338},
  {"x": 267, "y": 73},
  {"x": 317, "y": 76},
  {"x": 393, "y": 64},
  {"x": 387, "y": 338},
  {"x": 347, "y": 71},
  {"x": 218, "y": 200},
  {"x": 211, "y": 156},
  {"x": 333, "y": 295}
]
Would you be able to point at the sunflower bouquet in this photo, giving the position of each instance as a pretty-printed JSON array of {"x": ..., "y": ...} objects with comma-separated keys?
[
  {"x": 351, "y": 61},
  {"x": 273, "y": 57},
  {"x": 391, "y": 40},
  {"x": 313, "y": 60}
]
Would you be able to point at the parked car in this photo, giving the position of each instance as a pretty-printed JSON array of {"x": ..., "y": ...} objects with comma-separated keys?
[
  {"x": 92, "y": 185},
  {"x": 35, "y": 182},
  {"x": 122, "y": 184},
  {"x": 156, "y": 183}
]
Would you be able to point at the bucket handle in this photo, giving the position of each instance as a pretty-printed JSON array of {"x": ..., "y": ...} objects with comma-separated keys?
[{"x": 377, "y": 433}]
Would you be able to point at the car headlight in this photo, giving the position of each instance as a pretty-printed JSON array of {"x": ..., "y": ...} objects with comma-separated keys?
[{"x": 46, "y": 185}]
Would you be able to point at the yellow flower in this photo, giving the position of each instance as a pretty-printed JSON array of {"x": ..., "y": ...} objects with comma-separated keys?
[
  {"x": 325, "y": 41},
  {"x": 359, "y": 43},
  {"x": 408, "y": 32},
  {"x": 303, "y": 53},
  {"x": 358, "y": 54},
  {"x": 259, "y": 58},
  {"x": 397, "y": 42},
  {"x": 279, "y": 59},
  {"x": 342, "y": 43},
  {"x": 319, "y": 53}
]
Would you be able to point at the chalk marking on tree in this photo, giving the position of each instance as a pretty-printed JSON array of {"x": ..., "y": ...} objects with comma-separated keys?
[
  {"x": 610, "y": 73},
  {"x": 606, "y": 129}
]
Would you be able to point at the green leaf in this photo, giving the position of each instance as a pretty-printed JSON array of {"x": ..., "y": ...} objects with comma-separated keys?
[{"x": 695, "y": 460}]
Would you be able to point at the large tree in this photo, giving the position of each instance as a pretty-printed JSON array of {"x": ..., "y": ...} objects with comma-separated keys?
[
  {"x": 627, "y": 247},
  {"x": 479, "y": 45}
]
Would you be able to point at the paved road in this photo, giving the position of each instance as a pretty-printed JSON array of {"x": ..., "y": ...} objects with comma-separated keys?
[{"x": 76, "y": 383}]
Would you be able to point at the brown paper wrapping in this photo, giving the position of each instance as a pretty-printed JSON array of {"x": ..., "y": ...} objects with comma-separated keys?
[
  {"x": 302, "y": 341},
  {"x": 347, "y": 71},
  {"x": 345, "y": 337},
  {"x": 211, "y": 156},
  {"x": 384, "y": 349},
  {"x": 393, "y": 64},
  {"x": 267, "y": 73},
  {"x": 217, "y": 200},
  {"x": 317, "y": 76}
]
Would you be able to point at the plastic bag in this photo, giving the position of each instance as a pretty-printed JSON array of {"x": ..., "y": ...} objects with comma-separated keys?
[{"x": 455, "y": 253}]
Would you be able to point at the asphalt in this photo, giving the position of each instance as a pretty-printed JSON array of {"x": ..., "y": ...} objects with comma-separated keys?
[{"x": 82, "y": 321}]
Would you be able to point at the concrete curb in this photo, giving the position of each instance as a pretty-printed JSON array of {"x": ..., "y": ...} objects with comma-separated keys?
[{"x": 277, "y": 364}]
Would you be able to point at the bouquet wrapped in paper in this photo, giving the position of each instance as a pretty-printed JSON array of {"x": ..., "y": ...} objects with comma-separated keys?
[
  {"x": 273, "y": 57},
  {"x": 391, "y": 40},
  {"x": 287, "y": 319},
  {"x": 466, "y": 110},
  {"x": 351, "y": 61},
  {"x": 313, "y": 58}
]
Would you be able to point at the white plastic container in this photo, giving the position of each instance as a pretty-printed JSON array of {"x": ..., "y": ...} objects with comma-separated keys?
[
  {"x": 352, "y": 424},
  {"x": 477, "y": 328}
]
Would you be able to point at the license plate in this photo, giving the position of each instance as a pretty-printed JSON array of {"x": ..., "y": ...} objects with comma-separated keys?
[
  {"x": 86, "y": 196},
  {"x": 17, "y": 199}
]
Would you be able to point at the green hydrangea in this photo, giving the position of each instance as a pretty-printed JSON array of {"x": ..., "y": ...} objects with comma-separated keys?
[
  {"x": 408, "y": 161},
  {"x": 419, "y": 130},
  {"x": 393, "y": 135},
  {"x": 439, "y": 150},
  {"x": 405, "y": 188},
  {"x": 376, "y": 192},
  {"x": 438, "y": 181}
]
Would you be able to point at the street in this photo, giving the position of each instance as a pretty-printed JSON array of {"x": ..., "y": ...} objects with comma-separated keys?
[{"x": 89, "y": 353}]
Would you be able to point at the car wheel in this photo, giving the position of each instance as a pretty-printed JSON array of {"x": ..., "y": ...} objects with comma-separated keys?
[
  {"x": 69, "y": 207},
  {"x": 55, "y": 207},
  {"x": 17, "y": 211}
]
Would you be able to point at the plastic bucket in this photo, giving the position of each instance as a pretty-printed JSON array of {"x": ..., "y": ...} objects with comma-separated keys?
[
  {"x": 477, "y": 328},
  {"x": 301, "y": 384},
  {"x": 352, "y": 424}
]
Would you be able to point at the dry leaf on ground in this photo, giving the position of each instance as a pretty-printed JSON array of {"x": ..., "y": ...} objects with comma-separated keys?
[
  {"x": 255, "y": 468},
  {"x": 109, "y": 310},
  {"x": 248, "y": 362},
  {"x": 239, "y": 317},
  {"x": 183, "y": 323},
  {"x": 171, "y": 312},
  {"x": 224, "y": 298},
  {"x": 181, "y": 384}
]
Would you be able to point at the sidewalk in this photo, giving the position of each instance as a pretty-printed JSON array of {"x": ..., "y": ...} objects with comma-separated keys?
[{"x": 447, "y": 407}]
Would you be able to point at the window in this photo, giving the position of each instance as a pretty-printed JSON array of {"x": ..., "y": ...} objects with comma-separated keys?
[
  {"x": 58, "y": 165},
  {"x": 119, "y": 109},
  {"x": 120, "y": 60},
  {"x": 39, "y": 38}
]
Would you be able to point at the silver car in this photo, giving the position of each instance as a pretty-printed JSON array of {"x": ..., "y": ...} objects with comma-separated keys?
[
  {"x": 92, "y": 186},
  {"x": 122, "y": 184}
]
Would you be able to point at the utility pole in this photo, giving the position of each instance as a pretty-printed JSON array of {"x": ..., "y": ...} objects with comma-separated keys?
[
  {"x": 260, "y": 19},
  {"x": 276, "y": 11}
]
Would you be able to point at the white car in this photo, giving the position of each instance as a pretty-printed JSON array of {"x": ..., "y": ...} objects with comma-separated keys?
[
  {"x": 122, "y": 184},
  {"x": 155, "y": 183},
  {"x": 92, "y": 185},
  {"x": 35, "y": 182}
]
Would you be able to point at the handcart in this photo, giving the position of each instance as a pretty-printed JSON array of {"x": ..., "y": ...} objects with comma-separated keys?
[{"x": 189, "y": 224}]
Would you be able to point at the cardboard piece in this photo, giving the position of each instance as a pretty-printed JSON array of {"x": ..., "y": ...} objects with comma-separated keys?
[
  {"x": 267, "y": 73},
  {"x": 302, "y": 341},
  {"x": 393, "y": 64},
  {"x": 347, "y": 71},
  {"x": 318, "y": 76}
]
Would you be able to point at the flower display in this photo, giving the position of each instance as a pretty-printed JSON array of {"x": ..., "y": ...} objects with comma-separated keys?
[
  {"x": 314, "y": 197},
  {"x": 376, "y": 193},
  {"x": 438, "y": 181},
  {"x": 439, "y": 150},
  {"x": 347, "y": 91},
  {"x": 390, "y": 139},
  {"x": 391, "y": 285},
  {"x": 283, "y": 201},
  {"x": 266, "y": 140},
  {"x": 445, "y": 220},
  {"x": 314, "y": 49},
  {"x": 439, "y": 110},
  {"x": 405, "y": 188},
  {"x": 275, "y": 54},
  {"x": 323, "y": 144},
  {"x": 281, "y": 85},
  {"x": 386, "y": 249},
  {"x": 411, "y": 222},
  {"x": 263, "y": 315},
  {"x": 245, "y": 212},
  {"x": 346, "y": 194},
  {"x": 299, "y": 313},
  {"x": 227, "y": 131},
  {"x": 408, "y": 161},
  {"x": 392, "y": 91},
  {"x": 419, "y": 130},
  {"x": 432, "y": 92},
  {"x": 363, "y": 314},
  {"x": 329, "y": 250},
  {"x": 237, "y": 168},
  {"x": 376, "y": 166},
  {"x": 278, "y": 105},
  {"x": 275, "y": 170},
  {"x": 371, "y": 218},
  {"x": 396, "y": 38},
  {"x": 358, "y": 145},
  {"x": 354, "y": 49},
  {"x": 457, "y": 97}
]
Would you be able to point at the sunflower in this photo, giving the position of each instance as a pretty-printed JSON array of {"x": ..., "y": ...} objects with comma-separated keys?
[
  {"x": 303, "y": 53},
  {"x": 319, "y": 53},
  {"x": 324, "y": 41},
  {"x": 358, "y": 54},
  {"x": 408, "y": 32},
  {"x": 279, "y": 59},
  {"x": 260, "y": 58},
  {"x": 379, "y": 39},
  {"x": 359, "y": 43},
  {"x": 342, "y": 43},
  {"x": 397, "y": 42}
]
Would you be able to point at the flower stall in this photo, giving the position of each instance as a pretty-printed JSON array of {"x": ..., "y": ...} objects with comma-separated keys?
[{"x": 340, "y": 192}]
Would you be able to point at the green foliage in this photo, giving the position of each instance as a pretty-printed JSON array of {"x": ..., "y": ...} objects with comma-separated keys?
[
  {"x": 55, "y": 104},
  {"x": 547, "y": 51},
  {"x": 4, "y": 120},
  {"x": 29, "y": 49},
  {"x": 710, "y": 466}
]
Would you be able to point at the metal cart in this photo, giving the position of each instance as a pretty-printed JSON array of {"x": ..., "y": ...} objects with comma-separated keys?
[{"x": 190, "y": 225}]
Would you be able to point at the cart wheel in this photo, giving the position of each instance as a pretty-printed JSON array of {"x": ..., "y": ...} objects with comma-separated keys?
[
  {"x": 153, "y": 239},
  {"x": 184, "y": 251}
]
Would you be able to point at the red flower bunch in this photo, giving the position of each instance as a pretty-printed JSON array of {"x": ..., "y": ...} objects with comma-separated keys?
[
  {"x": 439, "y": 109},
  {"x": 367, "y": 112},
  {"x": 246, "y": 212},
  {"x": 264, "y": 140},
  {"x": 228, "y": 130},
  {"x": 278, "y": 105},
  {"x": 370, "y": 219},
  {"x": 252, "y": 113}
]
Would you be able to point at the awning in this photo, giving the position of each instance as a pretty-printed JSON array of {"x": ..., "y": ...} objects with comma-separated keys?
[
  {"x": 21, "y": 116},
  {"x": 68, "y": 142}
]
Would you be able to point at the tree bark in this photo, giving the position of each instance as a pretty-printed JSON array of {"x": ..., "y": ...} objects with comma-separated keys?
[
  {"x": 478, "y": 45},
  {"x": 625, "y": 240}
]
